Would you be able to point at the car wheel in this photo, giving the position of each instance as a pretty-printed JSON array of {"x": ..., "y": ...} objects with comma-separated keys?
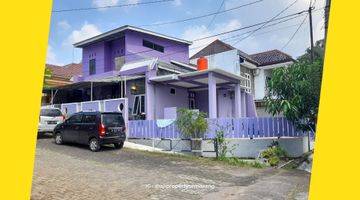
[
  {"x": 119, "y": 145},
  {"x": 58, "y": 138},
  {"x": 94, "y": 144}
]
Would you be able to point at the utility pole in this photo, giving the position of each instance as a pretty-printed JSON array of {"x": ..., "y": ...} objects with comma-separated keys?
[
  {"x": 311, "y": 33},
  {"x": 327, "y": 13}
]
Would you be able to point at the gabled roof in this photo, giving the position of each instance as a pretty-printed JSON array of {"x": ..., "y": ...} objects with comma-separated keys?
[
  {"x": 66, "y": 71},
  {"x": 259, "y": 59},
  {"x": 271, "y": 57},
  {"x": 111, "y": 34},
  {"x": 218, "y": 46}
]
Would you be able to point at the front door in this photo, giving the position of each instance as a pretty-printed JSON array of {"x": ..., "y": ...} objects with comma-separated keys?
[{"x": 225, "y": 104}]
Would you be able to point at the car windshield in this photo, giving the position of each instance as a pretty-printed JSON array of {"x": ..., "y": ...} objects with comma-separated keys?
[
  {"x": 112, "y": 120},
  {"x": 50, "y": 112}
]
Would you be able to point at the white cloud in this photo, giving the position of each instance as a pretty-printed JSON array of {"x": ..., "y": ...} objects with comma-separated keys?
[
  {"x": 132, "y": 1},
  {"x": 64, "y": 25},
  {"x": 104, "y": 3},
  {"x": 200, "y": 31},
  {"x": 85, "y": 32},
  {"x": 51, "y": 57},
  {"x": 319, "y": 31},
  {"x": 177, "y": 3}
]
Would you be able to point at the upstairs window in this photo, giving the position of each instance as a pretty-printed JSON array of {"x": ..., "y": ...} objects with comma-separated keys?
[
  {"x": 92, "y": 66},
  {"x": 154, "y": 46}
]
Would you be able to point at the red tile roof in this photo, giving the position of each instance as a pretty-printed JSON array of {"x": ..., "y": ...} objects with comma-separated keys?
[{"x": 66, "y": 71}]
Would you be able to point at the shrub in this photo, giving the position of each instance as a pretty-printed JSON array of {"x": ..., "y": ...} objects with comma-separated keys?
[
  {"x": 191, "y": 123},
  {"x": 274, "y": 154},
  {"x": 221, "y": 145}
]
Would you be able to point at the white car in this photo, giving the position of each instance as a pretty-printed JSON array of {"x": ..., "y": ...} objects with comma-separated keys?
[{"x": 49, "y": 118}]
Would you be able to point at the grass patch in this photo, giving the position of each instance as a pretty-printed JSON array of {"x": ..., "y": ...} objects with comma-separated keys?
[
  {"x": 202, "y": 160},
  {"x": 240, "y": 162}
]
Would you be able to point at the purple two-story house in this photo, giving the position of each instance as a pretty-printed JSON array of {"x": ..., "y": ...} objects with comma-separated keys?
[{"x": 153, "y": 72}]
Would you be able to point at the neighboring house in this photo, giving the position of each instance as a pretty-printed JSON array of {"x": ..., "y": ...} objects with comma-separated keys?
[
  {"x": 255, "y": 68},
  {"x": 60, "y": 76},
  {"x": 63, "y": 75},
  {"x": 153, "y": 72}
]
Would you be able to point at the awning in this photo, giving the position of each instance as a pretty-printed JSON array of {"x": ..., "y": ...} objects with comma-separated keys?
[
  {"x": 199, "y": 79},
  {"x": 137, "y": 67}
]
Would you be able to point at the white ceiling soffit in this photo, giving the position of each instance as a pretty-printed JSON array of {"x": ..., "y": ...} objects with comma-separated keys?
[{"x": 184, "y": 84}]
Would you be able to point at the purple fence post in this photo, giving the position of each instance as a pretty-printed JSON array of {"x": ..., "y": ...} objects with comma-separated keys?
[
  {"x": 260, "y": 130},
  {"x": 280, "y": 127},
  {"x": 286, "y": 127}
]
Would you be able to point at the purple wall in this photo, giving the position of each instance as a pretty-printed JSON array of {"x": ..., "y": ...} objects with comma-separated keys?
[
  {"x": 172, "y": 50},
  {"x": 164, "y": 99},
  {"x": 95, "y": 51},
  {"x": 130, "y": 45},
  {"x": 115, "y": 48},
  {"x": 90, "y": 106},
  {"x": 225, "y": 103}
]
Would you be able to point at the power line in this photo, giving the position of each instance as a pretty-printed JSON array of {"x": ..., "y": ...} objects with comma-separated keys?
[
  {"x": 284, "y": 19},
  {"x": 293, "y": 16},
  {"x": 261, "y": 33},
  {"x": 281, "y": 12},
  {"x": 212, "y": 19},
  {"x": 297, "y": 30},
  {"x": 112, "y": 6},
  {"x": 253, "y": 25},
  {"x": 202, "y": 16}
]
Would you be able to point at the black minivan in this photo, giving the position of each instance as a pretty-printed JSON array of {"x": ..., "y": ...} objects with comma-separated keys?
[{"x": 93, "y": 129}]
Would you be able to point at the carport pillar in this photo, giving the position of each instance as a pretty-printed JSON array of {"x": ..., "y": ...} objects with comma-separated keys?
[
  {"x": 238, "y": 101},
  {"x": 91, "y": 91},
  {"x": 243, "y": 104},
  {"x": 150, "y": 105},
  {"x": 212, "y": 96}
]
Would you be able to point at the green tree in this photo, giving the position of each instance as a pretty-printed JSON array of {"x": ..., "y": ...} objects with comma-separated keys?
[
  {"x": 294, "y": 91},
  {"x": 191, "y": 123}
]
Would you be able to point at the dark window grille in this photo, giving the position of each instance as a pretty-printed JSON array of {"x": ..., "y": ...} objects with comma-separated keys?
[
  {"x": 92, "y": 66},
  {"x": 154, "y": 46}
]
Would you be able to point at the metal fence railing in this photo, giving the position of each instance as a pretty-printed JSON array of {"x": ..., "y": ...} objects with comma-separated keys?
[{"x": 257, "y": 127}]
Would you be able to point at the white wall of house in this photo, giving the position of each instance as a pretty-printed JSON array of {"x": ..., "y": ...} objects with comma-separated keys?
[
  {"x": 240, "y": 147},
  {"x": 228, "y": 61},
  {"x": 259, "y": 84}
]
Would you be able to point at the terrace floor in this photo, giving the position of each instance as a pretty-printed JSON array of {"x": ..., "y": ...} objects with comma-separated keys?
[{"x": 74, "y": 172}]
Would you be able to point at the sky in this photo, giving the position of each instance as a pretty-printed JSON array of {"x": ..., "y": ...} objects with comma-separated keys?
[{"x": 69, "y": 27}]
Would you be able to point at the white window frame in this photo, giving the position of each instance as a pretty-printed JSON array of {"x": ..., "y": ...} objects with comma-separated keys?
[
  {"x": 138, "y": 106},
  {"x": 247, "y": 83}
]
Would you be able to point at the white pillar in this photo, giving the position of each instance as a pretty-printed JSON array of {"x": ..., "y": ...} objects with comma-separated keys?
[
  {"x": 150, "y": 96},
  {"x": 238, "y": 101},
  {"x": 212, "y": 96},
  {"x": 243, "y": 104}
]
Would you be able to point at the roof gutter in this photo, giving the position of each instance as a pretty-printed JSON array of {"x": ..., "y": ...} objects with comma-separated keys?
[{"x": 123, "y": 28}]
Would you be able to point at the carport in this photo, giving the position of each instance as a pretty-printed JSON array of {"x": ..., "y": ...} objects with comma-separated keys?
[{"x": 211, "y": 80}]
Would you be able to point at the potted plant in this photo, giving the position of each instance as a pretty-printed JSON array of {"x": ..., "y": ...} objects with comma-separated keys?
[{"x": 192, "y": 124}]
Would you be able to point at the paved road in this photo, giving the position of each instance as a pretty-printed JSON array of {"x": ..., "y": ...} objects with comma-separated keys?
[{"x": 74, "y": 172}]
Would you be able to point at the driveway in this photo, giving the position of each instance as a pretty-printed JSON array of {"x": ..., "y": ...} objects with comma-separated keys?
[{"x": 74, "y": 172}]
